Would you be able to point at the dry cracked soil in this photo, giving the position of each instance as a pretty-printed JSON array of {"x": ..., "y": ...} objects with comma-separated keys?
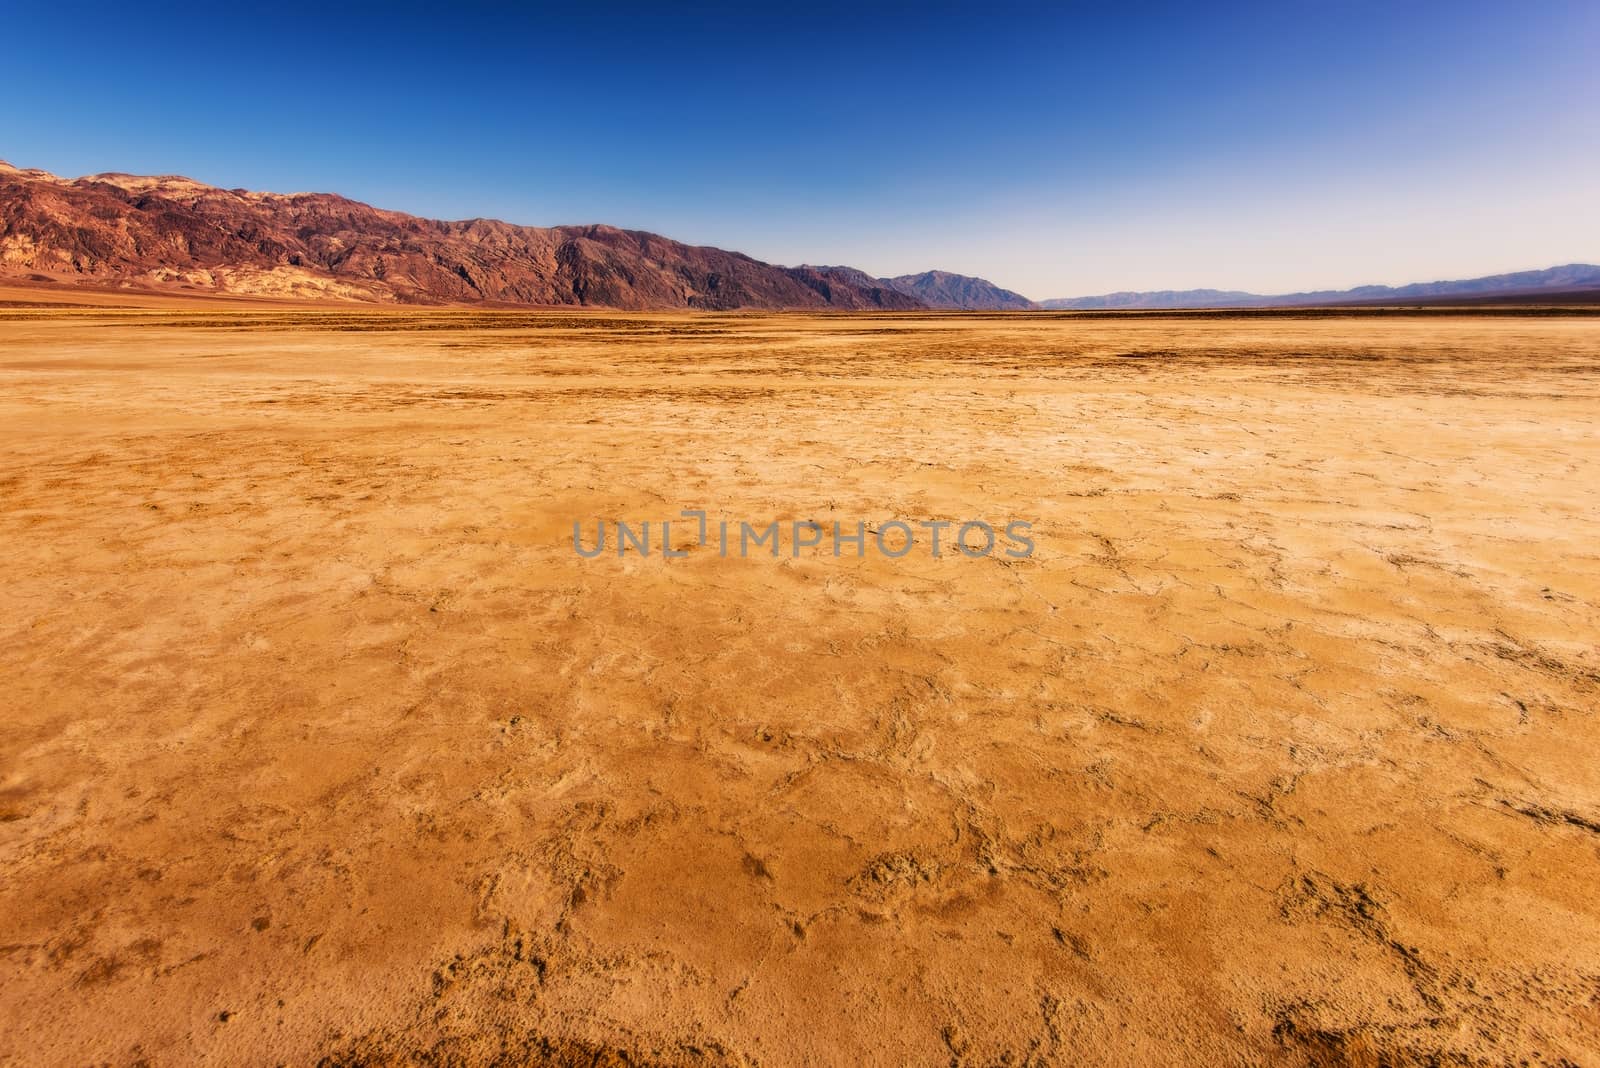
[{"x": 320, "y": 744}]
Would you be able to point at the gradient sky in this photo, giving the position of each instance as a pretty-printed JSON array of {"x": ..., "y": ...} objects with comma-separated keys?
[{"x": 1058, "y": 151}]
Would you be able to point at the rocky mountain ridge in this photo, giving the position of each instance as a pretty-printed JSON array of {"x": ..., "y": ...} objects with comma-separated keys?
[{"x": 169, "y": 232}]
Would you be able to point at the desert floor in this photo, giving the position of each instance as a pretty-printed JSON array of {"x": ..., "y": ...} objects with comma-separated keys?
[{"x": 319, "y": 742}]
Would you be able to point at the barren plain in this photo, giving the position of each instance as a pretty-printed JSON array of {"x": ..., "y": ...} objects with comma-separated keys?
[{"x": 319, "y": 743}]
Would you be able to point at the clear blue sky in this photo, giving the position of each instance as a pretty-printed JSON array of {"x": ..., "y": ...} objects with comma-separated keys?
[{"x": 1058, "y": 151}]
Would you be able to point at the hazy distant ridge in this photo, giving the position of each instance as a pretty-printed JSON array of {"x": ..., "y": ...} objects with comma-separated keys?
[
  {"x": 941, "y": 289},
  {"x": 1568, "y": 279}
]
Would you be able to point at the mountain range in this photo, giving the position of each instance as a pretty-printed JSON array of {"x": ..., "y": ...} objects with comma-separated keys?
[
  {"x": 941, "y": 289},
  {"x": 173, "y": 233},
  {"x": 1570, "y": 282}
]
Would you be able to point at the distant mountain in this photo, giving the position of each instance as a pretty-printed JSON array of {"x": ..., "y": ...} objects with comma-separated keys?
[
  {"x": 858, "y": 281},
  {"x": 1160, "y": 298},
  {"x": 175, "y": 233},
  {"x": 941, "y": 289},
  {"x": 1569, "y": 282},
  {"x": 936, "y": 289}
]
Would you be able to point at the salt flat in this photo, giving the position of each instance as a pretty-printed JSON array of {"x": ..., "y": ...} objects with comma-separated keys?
[{"x": 318, "y": 741}]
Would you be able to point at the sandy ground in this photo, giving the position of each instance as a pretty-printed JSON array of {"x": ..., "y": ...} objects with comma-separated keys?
[{"x": 319, "y": 742}]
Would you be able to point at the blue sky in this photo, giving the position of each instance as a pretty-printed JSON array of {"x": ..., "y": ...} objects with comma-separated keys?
[{"x": 1057, "y": 150}]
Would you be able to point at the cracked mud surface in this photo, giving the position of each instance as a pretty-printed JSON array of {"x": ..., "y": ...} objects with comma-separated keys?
[{"x": 319, "y": 744}]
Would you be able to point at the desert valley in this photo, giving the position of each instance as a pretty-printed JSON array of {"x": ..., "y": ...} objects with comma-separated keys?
[{"x": 320, "y": 744}]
